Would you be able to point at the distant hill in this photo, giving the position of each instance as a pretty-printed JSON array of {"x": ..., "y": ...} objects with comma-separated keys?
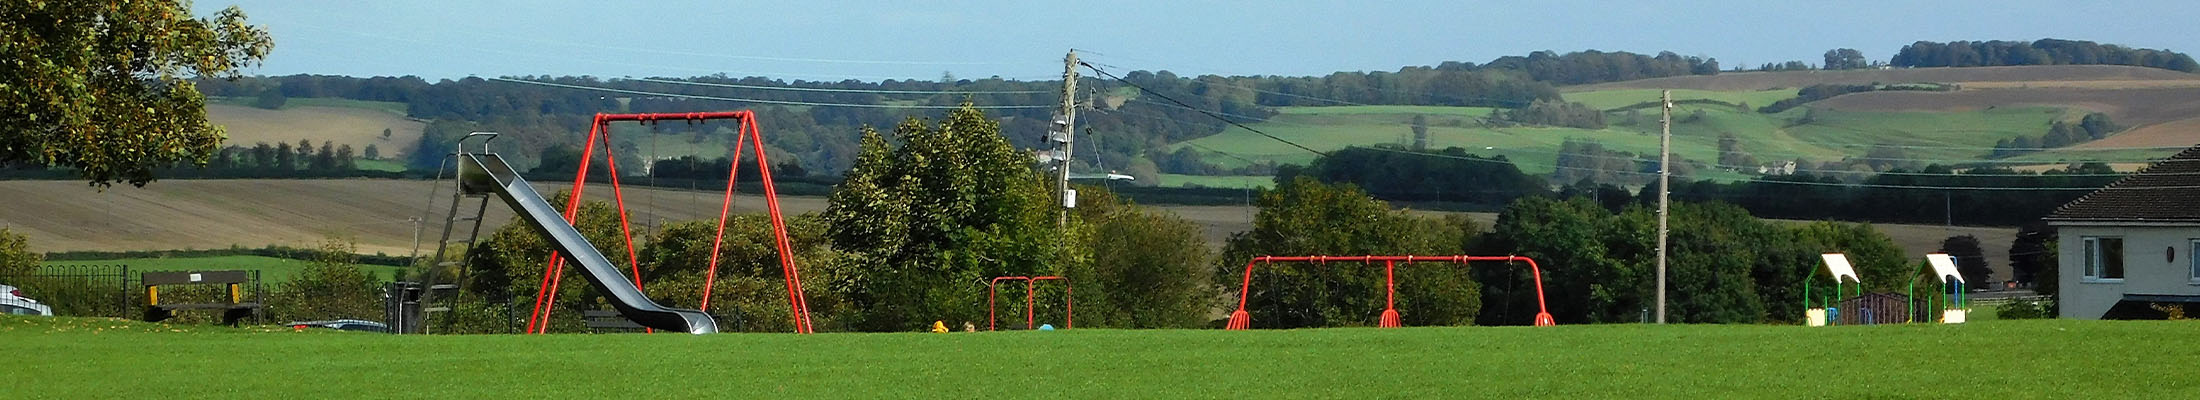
[{"x": 1753, "y": 81}]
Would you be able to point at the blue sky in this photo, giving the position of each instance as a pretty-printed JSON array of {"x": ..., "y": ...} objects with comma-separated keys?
[{"x": 873, "y": 40}]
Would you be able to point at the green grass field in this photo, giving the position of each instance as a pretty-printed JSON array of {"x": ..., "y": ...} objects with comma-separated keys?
[
  {"x": 294, "y": 102},
  {"x": 75, "y": 357},
  {"x": 1771, "y": 138},
  {"x": 1612, "y": 99},
  {"x": 1180, "y": 180},
  {"x": 272, "y": 270}
]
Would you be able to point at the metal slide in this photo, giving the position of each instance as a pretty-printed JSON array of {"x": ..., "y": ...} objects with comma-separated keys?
[{"x": 485, "y": 172}]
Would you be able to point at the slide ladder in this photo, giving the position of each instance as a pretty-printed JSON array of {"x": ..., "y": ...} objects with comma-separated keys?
[{"x": 446, "y": 260}]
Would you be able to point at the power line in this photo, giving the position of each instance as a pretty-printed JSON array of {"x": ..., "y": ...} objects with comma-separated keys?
[
  {"x": 1208, "y": 113},
  {"x": 836, "y": 90},
  {"x": 760, "y": 101}
]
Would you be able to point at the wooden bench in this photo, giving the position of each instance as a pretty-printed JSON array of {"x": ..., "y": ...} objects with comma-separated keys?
[{"x": 232, "y": 312}]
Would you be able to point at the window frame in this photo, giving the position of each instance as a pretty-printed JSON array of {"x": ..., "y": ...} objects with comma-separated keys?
[
  {"x": 2094, "y": 266},
  {"x": 2192, "y": 263}
]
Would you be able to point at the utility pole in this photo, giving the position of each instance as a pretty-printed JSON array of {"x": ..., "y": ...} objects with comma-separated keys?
[
  {"x": 1063, "y": 134},
  {"x": 1665, "y": 172}
]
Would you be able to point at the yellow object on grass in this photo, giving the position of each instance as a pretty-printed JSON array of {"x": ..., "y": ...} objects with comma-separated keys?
[{"x": 939, "y": 327}]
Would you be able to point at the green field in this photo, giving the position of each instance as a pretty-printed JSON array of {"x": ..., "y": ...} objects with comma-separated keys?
[
  {"x": 1829, "y": 135},
  {"x": 272, "y": 270},
  {"x": 65, "y": 357},
  {"x": 295, "y": 102},
  {"x": 1613, "y": 99},
  {"x": 1180, "y": 180}
]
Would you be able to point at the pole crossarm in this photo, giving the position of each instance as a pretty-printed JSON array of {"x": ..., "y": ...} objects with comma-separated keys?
[{"x": 1241, "y": 319}]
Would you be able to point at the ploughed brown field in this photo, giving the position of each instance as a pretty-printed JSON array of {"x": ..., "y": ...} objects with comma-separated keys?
[
  {"x": 206, "y": 214},
  {"x": 357, "y": 127}
]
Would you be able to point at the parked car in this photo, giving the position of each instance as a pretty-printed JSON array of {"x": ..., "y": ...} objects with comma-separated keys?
[
  {"x": 344, "y": 325},
  {"x": 12, "y": 302}
]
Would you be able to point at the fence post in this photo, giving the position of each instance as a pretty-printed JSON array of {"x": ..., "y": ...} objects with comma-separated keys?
[{"x": 122, "y": 306}]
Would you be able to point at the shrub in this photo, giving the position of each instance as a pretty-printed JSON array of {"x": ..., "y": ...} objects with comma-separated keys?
[{"x": 2021, "y": 309}]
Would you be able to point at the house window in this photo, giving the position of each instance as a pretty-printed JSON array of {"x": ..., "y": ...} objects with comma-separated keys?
[
  {"x": 2104, "y": 258},
  {"x": 2194, "y": 259}
]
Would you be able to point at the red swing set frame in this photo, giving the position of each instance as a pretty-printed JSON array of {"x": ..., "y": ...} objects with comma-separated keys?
[
  {"x": 1241, "y": 320},
  {"x": 554, "y": 271},
  {"x": 1069, "y": 300}
]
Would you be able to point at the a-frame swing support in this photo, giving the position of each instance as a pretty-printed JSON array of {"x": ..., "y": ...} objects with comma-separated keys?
[
  {"x": 553, "y": 273},
  {"x": 1241, "y": 320}
]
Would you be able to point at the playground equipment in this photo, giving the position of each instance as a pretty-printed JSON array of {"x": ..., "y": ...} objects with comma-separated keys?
[
  {"x": 1241, "y": 320},
  {"x": 1069, "y": 300},
  {"x": 483, "y": 173},
  {"x": 235, "y": 309},
  {"x": 1949, "y": 283},
  {"x": 1825, "y": 313}
]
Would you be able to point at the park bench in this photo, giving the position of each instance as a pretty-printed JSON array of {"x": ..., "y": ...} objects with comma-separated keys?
[{"x": 232, "y": 311}]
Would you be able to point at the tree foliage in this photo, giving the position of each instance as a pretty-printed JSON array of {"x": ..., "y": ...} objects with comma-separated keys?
[
  {"x": 1970, "y": 258},
  {"x": 105, "y": 87},
  {"x": 16, "y": 257},
  {"x": 1846, "y": 58},
  {"x": 1307, "y": 217},
  {"x": 1725, "y": 266},
  {"x": 953, "y": 205},
  {"x": 1148, "y": 269},
  {"x": 2041, "y": 52},
  {"x": 330, "y": 287},
  {"x": 1447, "y": 175}
]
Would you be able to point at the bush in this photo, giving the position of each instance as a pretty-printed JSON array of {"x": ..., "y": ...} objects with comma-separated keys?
[
  {"x": 1148, "y": 269},
  {"x": 2021, "y": 309},
  {"x": 1306, "y": 217},
  {"x": 330, "y": 288},
  {"x": 16, "y": 258}
]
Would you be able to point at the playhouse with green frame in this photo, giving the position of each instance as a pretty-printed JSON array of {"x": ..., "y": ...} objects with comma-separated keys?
[{"x": 1823, "y": 312}]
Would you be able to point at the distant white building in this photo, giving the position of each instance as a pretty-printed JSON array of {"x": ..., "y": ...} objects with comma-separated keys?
[
  {"x": 2132, "y": 244},
  {"x": 1785, "y": 168}
]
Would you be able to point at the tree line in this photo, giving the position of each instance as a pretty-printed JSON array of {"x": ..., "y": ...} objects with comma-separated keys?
[
  {"x": 1964, "y": 53},
  {"x": 1903, "y": 194}
]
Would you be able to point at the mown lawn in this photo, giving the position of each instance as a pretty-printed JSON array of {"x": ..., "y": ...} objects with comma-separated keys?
[
  {"x": 2001, "y": 359},
  {"x": 272, "y": 270}
]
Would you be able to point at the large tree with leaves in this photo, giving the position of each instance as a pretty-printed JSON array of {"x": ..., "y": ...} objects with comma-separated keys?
[
  {"x": 106, "y": 87},
  {"x": 953, "y": 205},
  {"x": 1304, "y": 216}
]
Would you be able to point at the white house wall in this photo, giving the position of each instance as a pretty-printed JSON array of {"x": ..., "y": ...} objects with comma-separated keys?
[{"x": 2148, "y": 269}]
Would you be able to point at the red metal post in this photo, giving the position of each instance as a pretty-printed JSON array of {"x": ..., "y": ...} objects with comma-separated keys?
[
  {"x": 546, "y": 293},
  {"x": 618, "y": 198},
  {"x": 1069, "y": 301},
  {"x": 992, "y": 291},
  {"x": 710, "y": 275},
  {"x": 1240, "y": 320},
  {"x": 798, "y": 302},
  {"x": 1389, "y": 319}
]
